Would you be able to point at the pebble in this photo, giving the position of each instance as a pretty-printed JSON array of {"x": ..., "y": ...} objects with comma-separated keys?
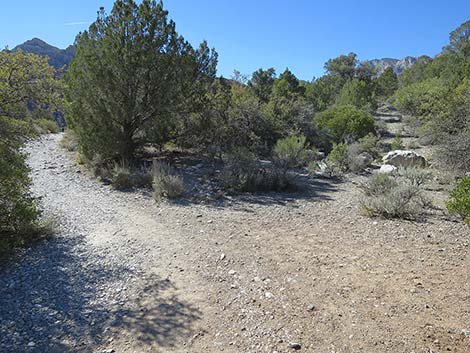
[
  {"x": 311, "y": 307},
  {"x": 295, "y": 346}
]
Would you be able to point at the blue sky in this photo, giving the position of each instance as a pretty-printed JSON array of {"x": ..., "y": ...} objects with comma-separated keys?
[{"x": 249, "y": 34}]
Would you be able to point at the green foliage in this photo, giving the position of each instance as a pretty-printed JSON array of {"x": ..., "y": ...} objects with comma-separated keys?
[
  {"x": 288, "y": 86},
  {"x": 46, "y": 126},
  {"x": 261, "y": 83},
  {"x": 358, "y": 93},
  {"x": 338, "y": 157},
  {"x": 343, "y": 66},
  {"x": 23, "y": 78},
  {"x": 369, "y": 144},
  {"x": 387, "y": 83},
  {"x": 459, "y": 39},
  {"x": 166, "y": 182},
  {"x": 459, "y": 201},
  {"x": 345, "y": 123},
  {"x": 26, "y": 78},
  {"x": 415, "y": 73},
  {"x": 291, "y": 152},
  {"x": 131, "y": 79},
  {"x": 397, "y": 143},
  {"x": 323, "y": 91},
  {"x": 425, "y": 100}
]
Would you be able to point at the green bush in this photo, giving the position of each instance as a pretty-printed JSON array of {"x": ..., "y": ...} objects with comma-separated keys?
[
  {"x": 46, "y": 126},
  {"x": 459, "y": 201},
  {"x": 346, "y": 123},
  {"x": 20, "y": 221},
  {"x": 291, "y": 152},
  {"x": 425, "y": 100},
  {"x": 358, "y": 93},
  {"x": 166, "y": 182},
  {"x": 397, "y": 143},
  {"x": 339, "y": 156}
]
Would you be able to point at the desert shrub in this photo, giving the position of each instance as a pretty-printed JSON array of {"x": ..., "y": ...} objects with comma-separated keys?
[
  {"x": 358, "y": 159},
  {"x": 414, "y": 176},
  {"x": 121, "y": 177},
  {"x": 369, "y": 144},
  {"x": 141, "y": 178},
  {"x": 166, "y": 182},
  {"x": 291, "y": 152},
  {"x": 46, "y": 126},
  {"x": 358, "y": 93},
  {"x": 395, "y": 196},
  {"x": 20, "y": 221},
  {"x": 397, "y": 143},
  {"x": 243, "y": 173},
  {"x": 362, "y": 153},
  {"x": 69, "y": 141},
  {"x": 346, "y": 123},
  {"x": 459, "y": 201},
  {"x": 425, "y": 100},
  {"x": 339, "y": 156},
  {"x": 455, "y": 151}
]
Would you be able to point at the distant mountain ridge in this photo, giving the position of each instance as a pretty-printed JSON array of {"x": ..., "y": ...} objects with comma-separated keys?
[
  {"x": 57, "y": 57},
  {"x": 397, "y": 65},
  {"x": 62, "y": 57}
]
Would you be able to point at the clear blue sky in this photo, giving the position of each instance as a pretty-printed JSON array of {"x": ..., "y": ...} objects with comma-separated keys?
[{"x": 249, "y": 34}]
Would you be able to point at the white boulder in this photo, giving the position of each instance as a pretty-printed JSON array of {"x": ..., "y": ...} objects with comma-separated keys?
[
  {"x": 387, "y": 169},
  {"x": 404, "y": 158}
]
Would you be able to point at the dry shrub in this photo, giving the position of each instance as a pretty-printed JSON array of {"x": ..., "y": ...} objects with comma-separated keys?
[
  {"x": 397, "y": 196},
  {"x": 243, "y": 173},
  {"x": 166, "y": 182}
]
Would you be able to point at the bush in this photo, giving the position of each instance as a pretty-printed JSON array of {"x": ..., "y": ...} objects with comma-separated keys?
[
  {"x": 362, "y": 153},
  {"x": 397, "y": 143},
  {"x": 166, "y": 182},
  {"x": 425, "y": 100},
  {"x": 20, "y": 222},
  {"x": 399, "y": 196},
  {"x": 291, "y": 152},
  {"x": 242, "y": 173},
  {"x": 45, "y": 126},
  {"x": 121, "y": 177},
  {"x": 346, "y": 123},
  {"x": 339, "y": 156},
  {"x": 459, "y": 201},
  {"x": 69, "y": 141},
  {"x": 358, "y": 93}
]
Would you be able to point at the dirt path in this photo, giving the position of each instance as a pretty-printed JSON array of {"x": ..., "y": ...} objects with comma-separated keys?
[{"x": 251, "y": 274}]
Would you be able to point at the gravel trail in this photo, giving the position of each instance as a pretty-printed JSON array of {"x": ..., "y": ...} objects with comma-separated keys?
[{"x": 264, "y": 273}]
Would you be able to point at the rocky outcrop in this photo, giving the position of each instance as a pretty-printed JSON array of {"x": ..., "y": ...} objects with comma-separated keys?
[
  {"x": 404, "y": 158},
  {"x": 397, "y": 65}
]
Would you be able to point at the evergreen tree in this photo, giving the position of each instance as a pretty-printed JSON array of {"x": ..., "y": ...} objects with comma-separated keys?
[{"x": 133, "y": 79}]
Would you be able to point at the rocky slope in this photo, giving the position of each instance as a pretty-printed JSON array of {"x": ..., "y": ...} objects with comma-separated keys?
[
  {"x": 398, "y": 65},
  {"x": 57, "y": 57}
]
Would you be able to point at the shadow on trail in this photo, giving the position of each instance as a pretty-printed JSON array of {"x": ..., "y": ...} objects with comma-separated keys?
[
  {"x": 311, "y": 189},
  {"x": 59, "y": 297}
]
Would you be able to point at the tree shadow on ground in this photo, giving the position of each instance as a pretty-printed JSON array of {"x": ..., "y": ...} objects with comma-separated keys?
[
  {"x": 60, "y": 297},
  {"x": 311, "y": 189}
]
